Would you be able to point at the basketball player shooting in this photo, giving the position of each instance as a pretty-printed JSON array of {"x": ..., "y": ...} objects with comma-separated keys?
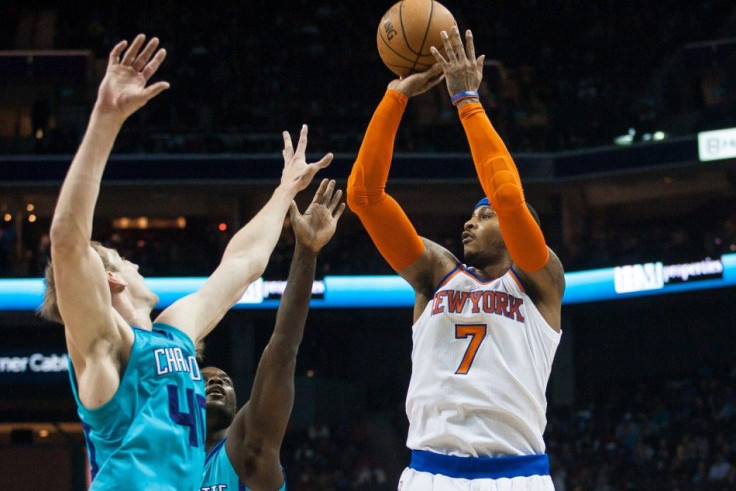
[
  {"x": 243, "y": 446},
  {"x": 138, "y": 389},
  {"x": 485, "y": 332}
]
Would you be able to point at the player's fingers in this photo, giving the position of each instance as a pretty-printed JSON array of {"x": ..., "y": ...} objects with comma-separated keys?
[
  {"x": 457, "y": 44},
  {"x": 479, "y": 63},
  {"x": 451, "y": 55},
  {"x": 132, "y": 51},
  {"x": 146, "y": 54},
  {"x": 469, "y": 45},
  {"x": 324, "y": 161},
  {"x": 301, "y": 146},
  {"x": 319, "y": 195},
  {"x": 438, "y": 56},
  {"x": 329, "y": 192},
  {"x": 335, "y": 200},
  {"x": 116, "y": 52},
  {"x": 288, "y": 147},
  {"x": 155, "y": 89},
  {"x": 435, "y": 75},
  {"x": 153, "y": 65},
  {"x": 434, "y": 71},
  {"x": 339, "y": 211}
]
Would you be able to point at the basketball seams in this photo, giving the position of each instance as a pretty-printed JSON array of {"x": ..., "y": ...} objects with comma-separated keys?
[
  {"x": 398, "y": 54},
  {"x": 426, "y": 34}
]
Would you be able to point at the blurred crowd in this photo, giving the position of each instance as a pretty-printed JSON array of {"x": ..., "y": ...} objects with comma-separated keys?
[
  {"x": 322, "y": 458},
  {"x": 677, "y": 434},
  {"x": 195, "y": 251},
  {"x": 560, "y": 75}
]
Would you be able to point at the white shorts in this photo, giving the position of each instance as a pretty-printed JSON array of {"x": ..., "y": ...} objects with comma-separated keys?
[
  {"x": 430, "y": 471},
  {"x": 412, "y": 480}
]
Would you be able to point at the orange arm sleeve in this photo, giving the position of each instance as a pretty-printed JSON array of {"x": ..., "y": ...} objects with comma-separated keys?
[
  {"x": 383, "y": 218},
  {"x": 500, "y": 180}
]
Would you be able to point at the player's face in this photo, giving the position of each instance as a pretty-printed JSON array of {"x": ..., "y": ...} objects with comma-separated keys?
[
  {"x": 219, "y": 392},
  {"x": 481, "y": 237},
  {"x": 136, "y": 285}
]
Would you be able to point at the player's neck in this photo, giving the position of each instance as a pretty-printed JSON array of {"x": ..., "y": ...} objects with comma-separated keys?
[
  {"x": 493, "y": 271},
  {"x": 214, "y": 436},
  {"x": 138, "y": 316}
]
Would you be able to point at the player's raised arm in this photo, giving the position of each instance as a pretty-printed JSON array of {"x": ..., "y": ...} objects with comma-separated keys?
[
  {"x": 83, "y": 301},
  {"x": 246, "y": 255},
  {"x": 384, "y": 220},
  {"x": 254, "y": 438},
  {"x": 496, "y": 170}
]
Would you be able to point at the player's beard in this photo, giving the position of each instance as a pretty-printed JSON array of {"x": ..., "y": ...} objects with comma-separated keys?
[
  {"x": 222, "y": 414},
  {"x": 480, "y": 257}
]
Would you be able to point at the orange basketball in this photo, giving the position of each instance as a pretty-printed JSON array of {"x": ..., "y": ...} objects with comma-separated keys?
[{"x": 407, "y": 31}]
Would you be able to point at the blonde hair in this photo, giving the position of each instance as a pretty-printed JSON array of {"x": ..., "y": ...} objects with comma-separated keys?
[{"x": 49, "y": 308}]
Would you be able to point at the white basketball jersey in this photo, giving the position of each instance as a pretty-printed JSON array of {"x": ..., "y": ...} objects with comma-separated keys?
[{"x": 481, "y": 360}]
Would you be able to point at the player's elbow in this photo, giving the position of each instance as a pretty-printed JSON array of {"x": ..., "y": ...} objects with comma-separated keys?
[
  {"x": 533, "y": 263},
  {"x": 508, "y": 196},
  {"x": 359, "y": 199},
  {"x": 352, "y": 200},
  {"x": 64, "y": 245},
  {"x": 253, "y": 267},
  {"x": 354, "y": 193},
  {"x": 360, "y": 196},
  {"x": 59, "y": 235}
]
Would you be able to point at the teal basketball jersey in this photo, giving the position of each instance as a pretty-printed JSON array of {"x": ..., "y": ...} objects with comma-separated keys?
[
  {"x": 150, "y": 435},
  {"x": 219, "y": 474}
]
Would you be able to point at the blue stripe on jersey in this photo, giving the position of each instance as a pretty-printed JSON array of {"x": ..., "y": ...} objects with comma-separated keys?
[
  {"x": 214, "y": 450},
  {"x": 444, "y": 278},
  {"x": 93, "y": 467},
  {"x": 480, "y": 467},
  {"x": 518, "y": 277}
]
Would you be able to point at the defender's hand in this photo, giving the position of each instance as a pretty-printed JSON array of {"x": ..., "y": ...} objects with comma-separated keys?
[
  {"x": 317, "y": 225},
  {"x": 123, "y": 89},
  {"x": 297, "y": 172}
]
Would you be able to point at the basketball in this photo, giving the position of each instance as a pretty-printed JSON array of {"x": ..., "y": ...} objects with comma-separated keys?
[{"x": 406, "y": 32}]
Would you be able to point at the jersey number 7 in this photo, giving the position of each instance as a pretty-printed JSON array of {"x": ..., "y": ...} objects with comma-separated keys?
[{"x": 476, "y": 333}]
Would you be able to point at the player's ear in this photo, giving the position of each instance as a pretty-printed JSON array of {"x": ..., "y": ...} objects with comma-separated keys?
[{"x": 115, "y": 283}]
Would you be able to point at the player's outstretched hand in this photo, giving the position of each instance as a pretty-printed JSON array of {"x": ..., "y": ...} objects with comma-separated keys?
[
  {"x": 418, "y": 83},
  {"x": 123, "y": 89},
  {"x": 317, "y": 225},
  {"x": 462, "y": 70},
  {"x": 297, "y": 172}
]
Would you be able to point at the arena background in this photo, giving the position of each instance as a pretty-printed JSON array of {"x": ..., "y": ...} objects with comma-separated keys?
[{"x": 601, "y": 104}]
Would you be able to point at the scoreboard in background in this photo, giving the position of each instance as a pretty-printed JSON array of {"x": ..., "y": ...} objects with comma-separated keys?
[
  {"x": 653, "y": 278},
  {"x": 717, "y": 144},
  {"x": 33, "y": 366}
]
